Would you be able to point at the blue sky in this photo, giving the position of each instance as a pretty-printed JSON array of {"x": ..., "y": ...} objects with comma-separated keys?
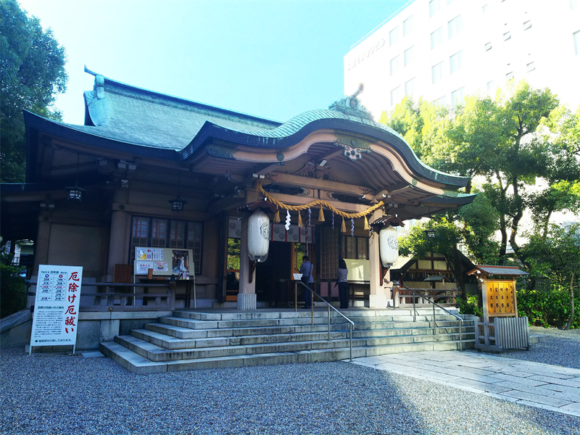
[{"x": 273, "y": 59}]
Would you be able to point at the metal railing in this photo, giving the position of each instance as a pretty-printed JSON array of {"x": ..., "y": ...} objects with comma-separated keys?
[
  {"x": 426, "y": 297},
  {"x": 351, "y": 323}
]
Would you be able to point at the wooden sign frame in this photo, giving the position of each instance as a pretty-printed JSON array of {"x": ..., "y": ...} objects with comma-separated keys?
[{"x": 499, "y": 298}]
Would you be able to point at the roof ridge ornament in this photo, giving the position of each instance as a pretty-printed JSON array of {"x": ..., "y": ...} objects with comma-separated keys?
[
  {"x": 352, "y": 106},
  {"x": 99, "y": 86}
]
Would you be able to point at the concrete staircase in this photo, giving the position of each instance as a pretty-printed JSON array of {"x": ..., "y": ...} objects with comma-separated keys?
[{"x": 201, "y": 340}]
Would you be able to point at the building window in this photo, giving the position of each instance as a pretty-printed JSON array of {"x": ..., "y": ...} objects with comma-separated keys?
[
  {"x": 163, "y": 233},
  {"x": 437, "y": 72},
  {"x": 509, "y": 76},
  {"x": 410, "y": 87},
  {"x": 158, "y": 233},
  {"x": 329, "y": 253},
  {"x": 577, "y": 43},
  {"x": 456, "y": 98},
  {"x": 355, "y": 248},
  {"x": 408, "y": 26},
  {"x": 488, "y": 46},
  {"x": 395, "y": 95},
  {"x": 194, "y": 239},
  {"x": 395, "y": 64},
  {"x": 434, "y": 7},
  {"x": 177, "y": 234},
  {"x": 440, "y": 101},
  {"x": 507, "y": 36},
  {"x": 394, "y": 35},
  {"x": 455, "y": 62},
  {"x": 530, "y": 66},
  {"x": 527, "y": 25},
  {"x": 436, "y": 38},
  {"x": 484, "y": 9},
  {"x": 409, "y": 55},
  {"x": 139, "y": 234},
  {"x": 454, "y": 26}
]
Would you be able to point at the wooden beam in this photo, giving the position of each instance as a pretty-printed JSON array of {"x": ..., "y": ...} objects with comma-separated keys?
[
  {"x": 300, "y": 200},
  {"x": 226, "y": 203},
  {"x": 315, "y": 183}
]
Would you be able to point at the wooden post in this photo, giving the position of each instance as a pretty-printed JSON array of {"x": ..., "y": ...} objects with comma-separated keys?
[
  {"x": 485, "y": 314},
  {"x": 377, "y": 297},
  {"x": 515, "y": 297}
]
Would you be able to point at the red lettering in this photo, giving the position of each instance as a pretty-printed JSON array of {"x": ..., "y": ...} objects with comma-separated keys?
[
  {"x": 72, "y": 287},
  {"x": 74, "y": 276},
  {"x": 70, "y": 321},
  {"x": 72, "y": 298},
  {"x": 70, "y": 310}
]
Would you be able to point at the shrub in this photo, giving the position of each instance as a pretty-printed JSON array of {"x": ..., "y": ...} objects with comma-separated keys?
[
  {"x": 13, "y": 294},
  {"x": 548, "y": 307},
  {"x": 470, "y": 306}
]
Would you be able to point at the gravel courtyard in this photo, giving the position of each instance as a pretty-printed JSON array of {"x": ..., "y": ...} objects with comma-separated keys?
[
  {"x": 73, "y": 394},
  {"x": 563, "y": 348}
]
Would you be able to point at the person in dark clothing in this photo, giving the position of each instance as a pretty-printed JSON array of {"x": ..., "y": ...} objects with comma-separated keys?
[
  {"x": 306, "y": 271},
  {"x": 342, "y": 283}
]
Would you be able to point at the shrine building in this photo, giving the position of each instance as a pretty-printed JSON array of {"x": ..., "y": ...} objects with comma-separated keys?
[{"x": 156, "y": 172}]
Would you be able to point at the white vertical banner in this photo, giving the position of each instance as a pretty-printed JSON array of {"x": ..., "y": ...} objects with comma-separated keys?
[{"x": 56, "y": 307}]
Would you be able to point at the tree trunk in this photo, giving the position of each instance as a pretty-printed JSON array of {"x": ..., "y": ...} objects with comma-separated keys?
[
  {"x": 459, "y": 272},
  {"x": 571, "y": 320}
]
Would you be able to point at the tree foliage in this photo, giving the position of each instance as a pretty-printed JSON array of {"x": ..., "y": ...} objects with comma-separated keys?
[
  {"x": 31, "y": 74},
  {"x": 520, "y": 138},
  {"x": 556, "y": 257}
]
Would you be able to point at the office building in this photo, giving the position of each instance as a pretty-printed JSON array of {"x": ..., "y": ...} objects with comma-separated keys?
[{"x": 444, "y": 50}]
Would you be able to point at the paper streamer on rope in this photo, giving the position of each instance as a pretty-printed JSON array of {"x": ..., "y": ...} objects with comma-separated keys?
[
  {"x": 352, "y": 227},
  {"x": 287, "y": 226},
  {"x": 309, "y": 217},
  {"x": 332, "y": 221}
]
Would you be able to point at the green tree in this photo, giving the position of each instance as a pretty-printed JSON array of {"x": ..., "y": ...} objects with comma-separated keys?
[
  {"x": 557, "y": 258},
  {"x": 478, "y": 223},
  {"x": 31, "y": 74},
  {"x": 513, "y": 141}
]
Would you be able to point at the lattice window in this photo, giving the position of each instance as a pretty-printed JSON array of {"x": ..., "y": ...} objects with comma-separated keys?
[
  {"x": 158, "y": 233},
  {"x": 177, "y": 234},
  {"x": 194, "y": 238},
  {"x": 328, "y": 253},
  {"x": 139, "y": 234}
]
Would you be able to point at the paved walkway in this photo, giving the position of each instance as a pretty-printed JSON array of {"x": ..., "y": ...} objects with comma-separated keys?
[{"x": 528, "y": 383}]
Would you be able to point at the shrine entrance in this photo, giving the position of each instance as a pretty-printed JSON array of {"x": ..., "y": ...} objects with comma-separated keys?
[{"x": 274, "y": 277}]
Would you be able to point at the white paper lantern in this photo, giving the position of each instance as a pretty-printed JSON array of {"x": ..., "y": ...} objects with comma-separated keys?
[
  {"x": 389, "y": 246},
  {"x": 258, "y": 236}
]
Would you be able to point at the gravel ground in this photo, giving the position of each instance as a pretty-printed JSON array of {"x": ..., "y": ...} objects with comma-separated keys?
[
  {"x": 73, "y": 394},
  {"x": 562, "y": 349}
]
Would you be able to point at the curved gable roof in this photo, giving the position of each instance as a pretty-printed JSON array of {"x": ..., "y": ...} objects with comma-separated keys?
[{"x": 135, "y": 120}]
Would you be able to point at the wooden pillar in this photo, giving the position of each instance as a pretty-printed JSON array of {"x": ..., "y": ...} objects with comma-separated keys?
[
  {"x": 118, "y": 242},
  {"x": 377, "y": 297},
  {"x": 247, "y": 294}
]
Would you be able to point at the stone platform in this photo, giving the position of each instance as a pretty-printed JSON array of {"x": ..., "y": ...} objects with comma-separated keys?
[{"x": 202, "y": 339}]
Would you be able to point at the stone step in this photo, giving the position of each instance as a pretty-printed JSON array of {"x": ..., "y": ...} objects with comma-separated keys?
[
  {"x": 368, "y": 323},
  {"x": 252, "y": 335},
  {"x": 170, "y": 342},
  {"x": 367, "y": 333},
  {"x": 155, "y": 351},
  {"x": 135, "y": 363},
  {"x": 302, "y": 314}
]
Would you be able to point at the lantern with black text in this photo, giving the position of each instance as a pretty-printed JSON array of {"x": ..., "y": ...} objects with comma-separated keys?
[
  {"x": 258, "y": 236},
  {"x": 389, "y": 245}
]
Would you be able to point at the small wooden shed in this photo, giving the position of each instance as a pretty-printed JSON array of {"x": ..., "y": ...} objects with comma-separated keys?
[{"x": 501, "y": 324}]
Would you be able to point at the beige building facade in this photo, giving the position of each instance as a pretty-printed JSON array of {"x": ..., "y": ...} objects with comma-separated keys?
[{"x": 443, "y": 50}]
